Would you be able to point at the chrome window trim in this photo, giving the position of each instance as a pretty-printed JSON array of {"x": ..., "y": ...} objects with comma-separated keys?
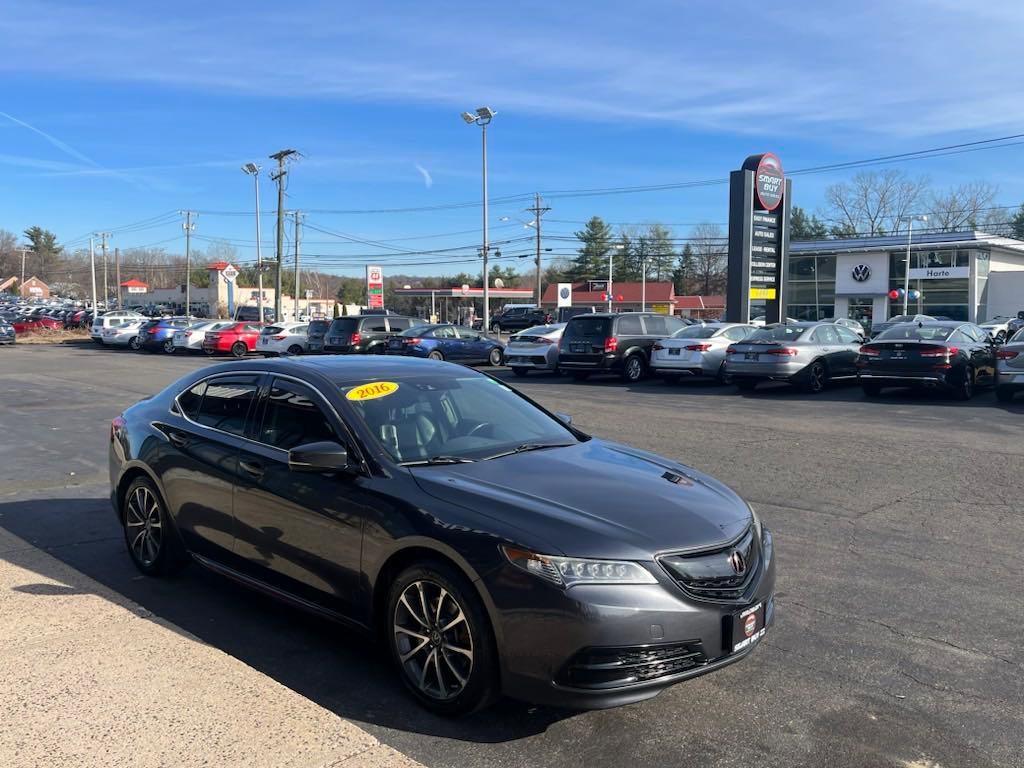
[{"x": 273, "y": 374}]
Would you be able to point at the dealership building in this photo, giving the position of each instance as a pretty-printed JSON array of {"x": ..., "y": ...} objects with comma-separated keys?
[{"x": 963, "y": 275}]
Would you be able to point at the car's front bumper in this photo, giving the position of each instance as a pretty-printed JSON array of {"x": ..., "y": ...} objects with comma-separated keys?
[{"x": 543, "y": 630}]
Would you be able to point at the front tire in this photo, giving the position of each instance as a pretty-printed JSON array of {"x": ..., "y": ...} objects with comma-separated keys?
[
  {"x": 134, "y": 344},
  {"x": 238, "y": 349},
  {"x": 495, "y": 357},
  {"x": 148, "y": 532},
  {"x": 440, "y": 640}
]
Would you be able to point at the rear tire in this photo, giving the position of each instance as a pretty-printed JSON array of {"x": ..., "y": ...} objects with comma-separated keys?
[
  {"x": 435, "y": 355},
  {"x": 723, "y": 377},
  {"x": 134, "y": 344},
  {"x": 238, "y": 349},
  {"x": 149, "y": 534},
  {"x": 437, "y": 624},
  {"x": 295, "y": 349},
  {"x": 817, "y": 378},
  {"x": 169, "y": 346},
  {"x": 1004, "y": 394},
  {"x": 634, "y": 368},
  {"x": 964, "y": 388},
  {"x": 521, "y": 372}
]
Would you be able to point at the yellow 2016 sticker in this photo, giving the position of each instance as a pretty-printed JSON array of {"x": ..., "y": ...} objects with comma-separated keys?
[{"x": 372, "y": 391}]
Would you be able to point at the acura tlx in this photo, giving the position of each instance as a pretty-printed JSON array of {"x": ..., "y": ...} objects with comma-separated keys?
[{"x": 494, "y": 547}]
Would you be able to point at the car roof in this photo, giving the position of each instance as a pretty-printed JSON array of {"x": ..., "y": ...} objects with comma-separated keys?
[{"x": 343, "y": 370}]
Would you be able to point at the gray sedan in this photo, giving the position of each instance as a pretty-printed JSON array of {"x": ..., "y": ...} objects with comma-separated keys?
[
  {"x": 535, "y": 349},
  {"x": 697, "y": 350},
  {"x": 1010, "y": 368},
  {"x": 804, "y": 354}
]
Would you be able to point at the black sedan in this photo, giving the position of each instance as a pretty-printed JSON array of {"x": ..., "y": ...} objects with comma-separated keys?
[
  {"x": 951, "y": 355},
  {"x": 491, "y": 545}
]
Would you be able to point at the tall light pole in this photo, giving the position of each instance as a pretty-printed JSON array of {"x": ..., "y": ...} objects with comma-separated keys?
[
  {"x": 254, "y": 170},
  {"x": 483, "y": 117},
  {"x": 643, "y": 282},
  {"x": 906, "y": 271},
  {"x": 189, "y": 226},
  {"x": 92, "y": 271},
  {"x": 611, "y": 255}
]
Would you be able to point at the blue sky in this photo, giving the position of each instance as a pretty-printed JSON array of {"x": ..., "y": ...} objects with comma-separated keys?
[{"x": 115, "y": 113}]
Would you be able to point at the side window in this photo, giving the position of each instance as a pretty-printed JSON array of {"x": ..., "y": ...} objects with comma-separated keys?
[
  {"x": 736, "y": 333},
  {"x": 825, "y": 334},
  {"x": 656, "y": 326},
  {"x": 399, "y": 324},
  {"x": 252, "y": 327},
  {"x": 444, "y": 332},
  {"x": 467, "y": 334},
  {"x": 226, "y": 403},
  {"x": 300, "y": 329},
  {"x": 190, "y": 399},
  {"x": 846, "y": 336},
  {"x": 674, "y": 324},
  {"x": 292, "y": 417},
  {"x": 377, "y": 325},
  {"x": 629, "y": 325}
]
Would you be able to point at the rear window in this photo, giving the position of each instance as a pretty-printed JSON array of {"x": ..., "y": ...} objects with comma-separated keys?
[
  {"x": 695, "y": 332},
  {"x": 586, "y": 327},
  {"x": 916, "y": 332},
  {"x": 399, "y": 324},
  {"x": 778, "y": 333},
  {"x": 417, "y": 330},
  {"x": 318, "y": 326},
  {"x": 344, "y": 325}
]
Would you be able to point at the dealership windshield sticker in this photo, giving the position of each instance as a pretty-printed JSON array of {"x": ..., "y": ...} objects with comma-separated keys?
[{"x": 372, "y": 391}]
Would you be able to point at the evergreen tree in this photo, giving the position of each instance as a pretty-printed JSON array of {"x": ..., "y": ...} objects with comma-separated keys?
[
  {"x": 591, "y": 260},
  {"x": 804, "y": 227},
  {"x": 1017, "y": 224},
  {"x": 658, "y": 242},
  {"x": 682, "y": 275}
]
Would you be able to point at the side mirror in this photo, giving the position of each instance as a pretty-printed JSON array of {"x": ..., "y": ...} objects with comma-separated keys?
[
  {"x": 565, "y": 418},
  {"x": 318, "y": 457}
]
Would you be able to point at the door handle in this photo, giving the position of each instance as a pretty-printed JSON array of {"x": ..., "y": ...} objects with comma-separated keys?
[
  {"x": 254, "y": 468},
  {"x": 177, "y": 439}
]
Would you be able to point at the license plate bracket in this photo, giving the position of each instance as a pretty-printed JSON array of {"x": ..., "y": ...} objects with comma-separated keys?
[
  {"x": 750, "y": 356},
  {"x": 748, "y": 627},
  {"x": 673, "y": 351}
]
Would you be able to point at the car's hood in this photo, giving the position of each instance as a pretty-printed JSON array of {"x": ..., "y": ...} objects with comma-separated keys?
[{"x": 594, "y": 499}]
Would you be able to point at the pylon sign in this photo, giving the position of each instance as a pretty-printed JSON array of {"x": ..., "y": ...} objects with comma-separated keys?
[
  {"x": 375, "y": 288},
  {"x": 759, "y": 204}
]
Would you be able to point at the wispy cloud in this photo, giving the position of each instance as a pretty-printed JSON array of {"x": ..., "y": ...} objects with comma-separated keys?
[
  {"x": 427, "y": 180},
  {"x": 64, "y": 147}
]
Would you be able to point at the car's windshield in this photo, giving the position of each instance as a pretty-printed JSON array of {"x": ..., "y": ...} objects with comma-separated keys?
[
  {"x": 777, "y": 333},
  {"x": 695, "y": 332},
  {"x": 468, "y": 417},
  {"x": 916, "y": 332}
]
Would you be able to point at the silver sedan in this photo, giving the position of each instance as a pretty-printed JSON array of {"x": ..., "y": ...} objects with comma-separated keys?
[
  {"x": 535, "y": 349},
  {"x": 804, "y": 354},
  {"x": 697, "y": 350},
  {"x": 1010, "y": 368}
]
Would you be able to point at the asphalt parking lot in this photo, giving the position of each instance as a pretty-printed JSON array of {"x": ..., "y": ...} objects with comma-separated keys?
[{"x": 898, "y": 525}]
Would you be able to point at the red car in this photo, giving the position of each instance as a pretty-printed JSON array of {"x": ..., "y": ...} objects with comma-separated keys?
[
  {"x": 238, "y": 339},
  {"x": 36, "y": 323}
]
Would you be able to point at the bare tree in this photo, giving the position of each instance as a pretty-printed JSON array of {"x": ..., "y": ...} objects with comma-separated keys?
[
  {"x": 962, "y": 207},
  {"x": 710, "y": 254},
  {"x": 873, "y": 202}
]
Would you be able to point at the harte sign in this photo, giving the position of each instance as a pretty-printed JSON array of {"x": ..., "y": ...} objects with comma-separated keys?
[{"x": 769, "y": 181}]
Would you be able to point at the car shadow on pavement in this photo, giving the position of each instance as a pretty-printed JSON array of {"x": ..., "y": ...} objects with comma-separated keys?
[{"x": 339, "y": 670}]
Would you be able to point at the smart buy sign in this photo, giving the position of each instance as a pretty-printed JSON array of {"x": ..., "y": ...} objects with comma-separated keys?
[
  {"x": 374, "y": 287},
  {"x": 769, "y": 181}
]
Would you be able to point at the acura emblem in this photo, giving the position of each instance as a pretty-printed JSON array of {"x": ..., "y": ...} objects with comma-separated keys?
[
  {"x": 861, "y": 273},
  {"x": 739, "y": 565}
]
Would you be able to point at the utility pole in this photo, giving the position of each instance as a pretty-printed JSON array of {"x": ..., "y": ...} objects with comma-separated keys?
[
  {"x": 23, "y": 252},
  {"x": 106, "y": 287},
  {"x": 298, "y": 219},
  {"x": 278, "y": 176},
  {"x": 117, "y": 262},
  {"x": 537, "y": 212},
  {"x": 189, "y": 226},
  {"x": 92, "y": 271}
]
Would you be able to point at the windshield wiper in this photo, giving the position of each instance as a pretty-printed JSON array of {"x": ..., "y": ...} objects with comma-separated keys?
[
  {"x": 527, "y": 447},
  {"x": 437, "y": 460}
]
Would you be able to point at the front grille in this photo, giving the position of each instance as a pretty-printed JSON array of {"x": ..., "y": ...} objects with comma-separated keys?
[
  {"x": 599, "y": 668},
  {"x": 711, "y": 575}
]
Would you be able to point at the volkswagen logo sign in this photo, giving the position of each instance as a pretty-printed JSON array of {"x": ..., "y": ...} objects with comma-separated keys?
[
  {"x": 564, "y": 293},
  {"x": 739, "y": 565},
  {"x": 861, "y": 273}
]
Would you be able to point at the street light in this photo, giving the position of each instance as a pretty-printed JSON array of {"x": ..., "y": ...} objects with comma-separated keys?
[
  {"x": 483, "y": 117},
  {"x": 611, "y": 254},
  {"x": 254, "y": 170},
  {"x": 906, "y": 272}
]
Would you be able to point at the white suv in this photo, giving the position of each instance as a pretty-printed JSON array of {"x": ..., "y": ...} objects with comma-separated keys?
[
  {"x": 281, "y": 338},
  {"x": 109, "y": 320}
]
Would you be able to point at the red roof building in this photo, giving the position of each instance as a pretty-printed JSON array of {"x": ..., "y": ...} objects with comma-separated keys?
[{"x": 626, "y": 297}]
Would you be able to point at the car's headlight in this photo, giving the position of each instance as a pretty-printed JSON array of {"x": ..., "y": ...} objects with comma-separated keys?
[{"x": 567, "y": 571}]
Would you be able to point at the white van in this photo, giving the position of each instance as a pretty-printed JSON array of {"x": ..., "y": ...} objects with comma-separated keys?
[{"x": 109, "y": 320}]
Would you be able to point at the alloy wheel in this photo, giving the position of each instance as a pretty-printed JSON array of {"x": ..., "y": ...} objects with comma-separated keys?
[
  {"x": 433, "y": 640},
  {"x": 634, "y": 368},
  {"x": 494, "y": 357},
  {"x": 817, "y": 378},
  {"x": 143, "y": 526}
]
